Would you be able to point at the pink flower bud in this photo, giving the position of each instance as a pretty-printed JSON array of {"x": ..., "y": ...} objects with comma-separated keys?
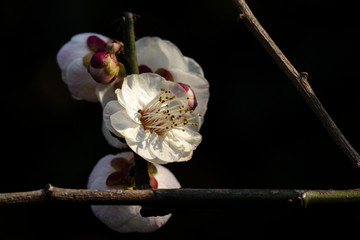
[
  {"x": 144, "y": 69},
  {"x": 165, "y": 74},
  {"x": 190, "y": 96},
  {"x": 114, "y": 46},
  {"x": 95, "y": 43},
  {"x": 104, "y": 67}
]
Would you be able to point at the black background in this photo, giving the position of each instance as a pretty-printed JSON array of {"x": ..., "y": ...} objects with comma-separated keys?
[{"x": 258, "y": 131}]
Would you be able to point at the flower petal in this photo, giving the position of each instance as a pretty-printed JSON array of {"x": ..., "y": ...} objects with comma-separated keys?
[
  {"x": 112, "y": 140},
  {"x": 103, "y": 169},
  {"x": 142, "y": 149},
  {"x": 82, "y": 37},
  {"x": 80, "y": 83},
  {"x": 164, "y": 150},
  {"x": 138, "y": 90},
  {"x": 75, "y": 48},
  {"x": 157, "y": 53},
  {"x": 106, "y": 92},
  {"x": 188, "y": 139},
  {"x": 124, "y": 125},
  {"x": 109, "y": 109},
  {"x": 165, "y": 178},
  {"x": 69, "y": 52},
  {"x": 186, "y": 156},
  {"x": 199, "y": 85},
  {"x": 193, "y": 66}
]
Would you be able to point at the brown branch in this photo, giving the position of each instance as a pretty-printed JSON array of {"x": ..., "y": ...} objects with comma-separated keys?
[
  {"x": 175, "y": 199},
  {"x": 299, "y": 80}
]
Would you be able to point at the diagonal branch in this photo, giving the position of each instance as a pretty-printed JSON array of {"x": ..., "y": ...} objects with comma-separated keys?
[{"x": 299, "y": 80}]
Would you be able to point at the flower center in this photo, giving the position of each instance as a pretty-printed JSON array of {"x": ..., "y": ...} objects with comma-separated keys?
[{"x": 166, "y": 112}]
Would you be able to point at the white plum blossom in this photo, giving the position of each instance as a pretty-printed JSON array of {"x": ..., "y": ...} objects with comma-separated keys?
[
  {"x": 153, "y": 54},
  {"x": 114, "y": 172},
  {"x": 73, "y": 59},
  {"x": 164, "y": 58},
  {"x": 155, "y": 118}
]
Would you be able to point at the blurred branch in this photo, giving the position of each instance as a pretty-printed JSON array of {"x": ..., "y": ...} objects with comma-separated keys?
[
  {"x": 174, "y": 199},
  {"x": 129, "y": 43},
  {"x": 131, "y": 65},
  {"x": 298, "y": 79}
]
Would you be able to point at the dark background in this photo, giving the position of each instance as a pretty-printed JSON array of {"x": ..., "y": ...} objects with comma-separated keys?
[{"x": 258, "y": 131}]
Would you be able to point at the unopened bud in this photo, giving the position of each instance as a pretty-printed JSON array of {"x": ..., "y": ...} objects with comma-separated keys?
[
  {"x": 165, "y": 74},
  {"x": 144, "y": 69},
  {"x": 95, "y": 43},
  {"x": 104, "y": 67},
  {"x": 190, "y": 95},
  {"x": 114, "y": 46}
]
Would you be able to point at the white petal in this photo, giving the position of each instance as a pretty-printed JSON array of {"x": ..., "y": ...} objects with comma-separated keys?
[
  {"x": 124, "y": 125},
  {"x": 148, "y": 224},
  {"x": 141, "y": 89},
  {"x": 138, "y": 90},
  {"x": 82, "y": 37},
  {"x": 103, "y": 169},
  {"x": 113, "y": 141},
  {"x": 186, "y": 156},
  {"x": 198, "y": 84},
  {"x": 106, "y": 92},
  {"x": 80, "y": 82},
  {"x": 142, "y": 149},
  {"x": 165, "y": 178},
  {"x": 75, "y": 48},
  {"x": 157, "y": 53},
  {"x": 69, "y": 52},
  {"x": 100, "y": 172},
  {"x": 194, "y": 67},
  {"x": 164, "y": 150},
  {"x": 111, "y": 108},
  {"x": 188, "y": 139}
]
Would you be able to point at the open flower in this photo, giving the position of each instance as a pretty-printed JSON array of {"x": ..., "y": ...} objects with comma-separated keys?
[
  {"x": 153, "y": 54},
  {"x": 154, "y": 117},
  {"x": 164, "y": 58},
  {"x": 115, "y": 172}
]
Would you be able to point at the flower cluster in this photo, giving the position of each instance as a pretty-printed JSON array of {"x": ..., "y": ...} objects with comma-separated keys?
[{"x": 157, "y": 114}]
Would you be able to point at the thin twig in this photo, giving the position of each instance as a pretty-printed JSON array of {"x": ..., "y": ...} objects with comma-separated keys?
[
  {"x": 299, "y": 80},
  {"x": 175, "y": 199}
]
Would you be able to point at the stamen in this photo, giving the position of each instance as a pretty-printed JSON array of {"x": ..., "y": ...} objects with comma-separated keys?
[{"x": 166, "y": 111}]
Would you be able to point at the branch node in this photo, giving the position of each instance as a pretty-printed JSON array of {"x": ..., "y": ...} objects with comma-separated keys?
[
  {"x": 48, "y": 190},
  {"x": 304, "y": 75},
  {"x": 241, "y": 17}
]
